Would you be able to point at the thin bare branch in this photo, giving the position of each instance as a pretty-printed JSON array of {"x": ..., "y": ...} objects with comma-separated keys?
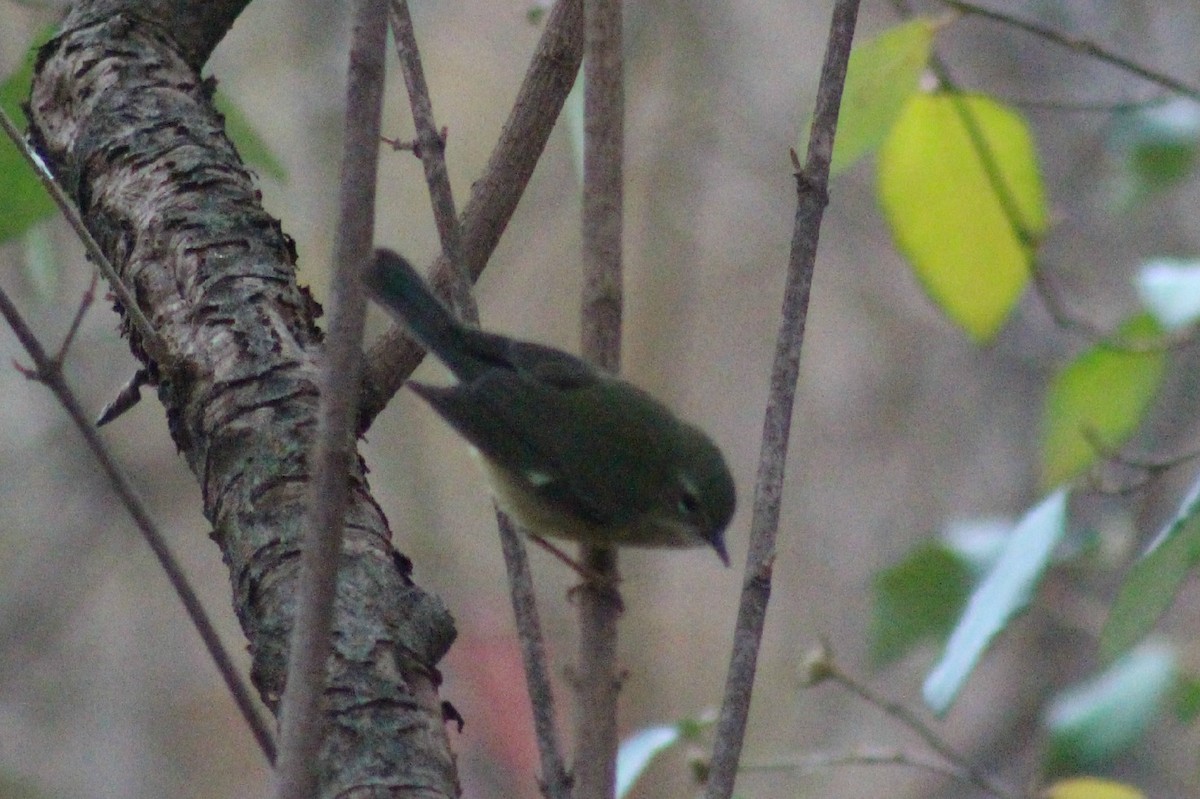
[
  {"x": 151, "y": 342},
  {"x": 812, "y": 196},
  {"x": 1052, "y": 297},
  {"x": 908, "y": 718},
  {"x": 432, "y": 149},
  {"x": 48, "y": 372},
  {"x": 598, "y": 682},
  {"x": 85, "y": 303},
  {"x": 1078, "y": 45},
  {"x": 867, "y": 757},
  {"x": 1086, "y": 106},
  {"x": 430, "y": 144},
  {"x": 495, "y": 195},
  {"x": 556, "y": 781},
  {"x": 243, "y": 385},
  {"x": 1145, "y": 468},
  {"x": 303, "y": 712}
]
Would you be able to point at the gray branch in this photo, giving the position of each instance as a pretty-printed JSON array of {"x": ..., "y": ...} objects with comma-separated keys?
[{"x": 122, "y": 118}]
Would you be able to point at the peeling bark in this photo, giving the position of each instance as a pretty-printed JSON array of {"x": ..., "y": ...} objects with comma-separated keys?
[{"x": 123, "y": 120}]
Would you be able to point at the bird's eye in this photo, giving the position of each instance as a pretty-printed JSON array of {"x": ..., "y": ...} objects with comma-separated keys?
[{"x": 688, "y": 503}]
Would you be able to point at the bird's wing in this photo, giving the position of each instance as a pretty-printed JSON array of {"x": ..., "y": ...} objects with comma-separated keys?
[{"x": 555, "y": 437}]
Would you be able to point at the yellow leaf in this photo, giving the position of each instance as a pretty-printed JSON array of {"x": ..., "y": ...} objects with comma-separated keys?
[
  {"x": 961, "y": 191},
  {"x": 1092, "y": 788}
]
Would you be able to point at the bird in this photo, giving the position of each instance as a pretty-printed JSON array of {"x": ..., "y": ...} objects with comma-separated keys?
[{"x": 569, "y": 450}]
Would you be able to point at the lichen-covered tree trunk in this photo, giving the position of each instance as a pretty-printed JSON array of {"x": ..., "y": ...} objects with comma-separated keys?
[{"x": 123, "y": 120}]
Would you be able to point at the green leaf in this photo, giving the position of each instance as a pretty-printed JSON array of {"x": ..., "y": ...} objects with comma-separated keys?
[
  {"x": 250, "y": 145},
  {"x": 15, "y": 89},
  {"x": 1154, "y": 579},
  {"x": 883, "y": 73},
  {"x": 917, "y": 600},
  {"x": 1156, "y": 147},
  {"x": 970, "y": 253},
  {"x": 1093, "y": 722},
  {"x": 1170, "y": 289},
  {"x": 1100, "y": 399},
  {"x": 1186, "y": 699},
  {"x": 536, "y": 13},
  {"x": 1002, "y": 594},
  {"x": 24, "y": 202}
]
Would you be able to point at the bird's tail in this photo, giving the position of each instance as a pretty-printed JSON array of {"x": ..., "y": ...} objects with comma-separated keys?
[{"x": 394, "y": 283}]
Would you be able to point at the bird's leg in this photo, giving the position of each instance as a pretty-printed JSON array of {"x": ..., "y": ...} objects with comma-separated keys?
[{"x": 587, "y": 575}]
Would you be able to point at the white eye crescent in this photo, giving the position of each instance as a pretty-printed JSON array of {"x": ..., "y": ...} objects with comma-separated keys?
[
  {"x": 688, "y": 501},
  {"x": 538, "y": 479}
]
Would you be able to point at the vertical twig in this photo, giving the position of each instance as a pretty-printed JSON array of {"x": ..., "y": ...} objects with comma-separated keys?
[
  {"x": 556, "y": 782},
  {"x": 49, "y": 373},
  {"x": 811, "y": 189},
  {"x": 495, "y": 195},
  {"x": 303, "y": 711},
  {"x": 598, "y": 682}
]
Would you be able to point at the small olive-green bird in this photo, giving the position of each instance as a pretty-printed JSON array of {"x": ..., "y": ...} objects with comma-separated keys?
[{"x": 570, "y": 450}]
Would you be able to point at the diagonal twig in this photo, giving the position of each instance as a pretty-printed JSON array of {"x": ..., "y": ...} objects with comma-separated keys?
[
  {"x": 89, "y": 297},
  {"x": 870, "y": 757},
  {"x": 432, "y": 149},
  {"x": 48, "y": 372},
  {"x": 495, "y": 195},
  {"x": 1078, "y": 45},
  {"x": 556, "y": 783},
  {"x": 828, "y": 669},
  {"x": 151, "y": 342}
]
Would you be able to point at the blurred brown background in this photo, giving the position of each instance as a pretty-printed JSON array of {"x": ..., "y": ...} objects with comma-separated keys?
[{"x": 902, "y": 425}]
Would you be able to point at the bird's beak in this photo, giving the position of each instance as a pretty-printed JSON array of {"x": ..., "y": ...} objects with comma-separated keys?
[{"x": 718, "y": 543}]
